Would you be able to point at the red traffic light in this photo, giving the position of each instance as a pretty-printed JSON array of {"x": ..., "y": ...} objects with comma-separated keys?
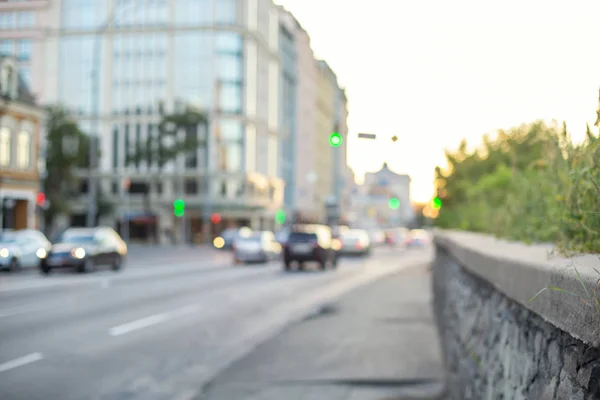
[
  {"x": 40, "y": 199},
  {"x": 215, "y": 218}
]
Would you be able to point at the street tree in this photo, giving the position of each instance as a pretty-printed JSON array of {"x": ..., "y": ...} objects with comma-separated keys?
[
  {"x": 168, "y": 145},
  {"x": 67, "y": 150}
]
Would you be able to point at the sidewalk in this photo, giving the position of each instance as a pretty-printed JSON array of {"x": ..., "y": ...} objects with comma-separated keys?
[{"x": 377, "y": 342}]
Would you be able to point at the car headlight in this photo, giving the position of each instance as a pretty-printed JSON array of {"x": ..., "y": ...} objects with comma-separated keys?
[
  {"x": 78, "y": 253},
  {"x": 41, "y": 253},
  {"x": 4, "y": 253},
  {"x": 219, "y": 242}
]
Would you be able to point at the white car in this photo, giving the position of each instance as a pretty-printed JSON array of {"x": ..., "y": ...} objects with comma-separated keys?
[{"x": 24, "y": 248}]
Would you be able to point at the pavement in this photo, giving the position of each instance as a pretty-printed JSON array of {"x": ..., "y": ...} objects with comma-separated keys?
[
  {"x": 377, "y": 342},
  {"x": 173, "y": 324}
]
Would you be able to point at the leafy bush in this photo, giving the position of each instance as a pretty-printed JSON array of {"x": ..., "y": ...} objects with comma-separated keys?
[{"x": 531, "y": 184}]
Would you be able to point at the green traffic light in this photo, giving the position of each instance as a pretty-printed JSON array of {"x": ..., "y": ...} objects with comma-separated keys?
[
  {"x": 394, "y": 203},
  {"x": 280, "y": 217},
  {"x": 179, "y": 207},
  {"x": 335, "y": 139},
  {"x": 436, "y": 203}
]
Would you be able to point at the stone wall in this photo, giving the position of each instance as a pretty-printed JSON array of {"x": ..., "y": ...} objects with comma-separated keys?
[{"x": 498, "y": 347}]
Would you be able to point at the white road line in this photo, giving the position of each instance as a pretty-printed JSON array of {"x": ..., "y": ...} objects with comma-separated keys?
[
  {"x": 19, "y": 362},
  {"x": 153, "y": 320}
]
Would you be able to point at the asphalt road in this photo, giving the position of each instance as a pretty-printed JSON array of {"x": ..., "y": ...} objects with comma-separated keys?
[{"x": 160, "y": 329}]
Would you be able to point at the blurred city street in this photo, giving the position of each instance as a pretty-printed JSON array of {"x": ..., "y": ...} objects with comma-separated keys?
[{"x": 176, "y": 319}]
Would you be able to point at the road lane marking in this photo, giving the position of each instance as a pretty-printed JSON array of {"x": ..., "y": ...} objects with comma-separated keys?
[
  {"x": 153, "y": 320},
  {"x": 19, "y": 362}
]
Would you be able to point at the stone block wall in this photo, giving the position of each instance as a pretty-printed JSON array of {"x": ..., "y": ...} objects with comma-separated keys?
[{"x": 495, "y": 347}]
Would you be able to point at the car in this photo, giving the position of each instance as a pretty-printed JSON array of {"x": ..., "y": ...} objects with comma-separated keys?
[
  {"x": 417, "y": 238},
  {"x": 355, "y": 242},
  {"x": 258, "y": 247},
  {"x": 85, "y": 249},
  {"x": 311, "y": 243},
  {"x": 225, "y": 240},
  {"x": 22, "y": 248}
]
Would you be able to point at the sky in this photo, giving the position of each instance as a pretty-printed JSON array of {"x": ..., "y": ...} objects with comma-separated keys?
[{"x": 435, "y": 72}]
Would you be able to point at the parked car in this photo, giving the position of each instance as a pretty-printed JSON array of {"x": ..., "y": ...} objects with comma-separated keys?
[
  {"x": 258, "y": 247},
  {"x": 85, "y": 249},
  {"x": 355, "y": 242},
  {"x": 23, "y": 248},
  {"x": 226, "y": 238},
  {"x": 307, "y": 243}
]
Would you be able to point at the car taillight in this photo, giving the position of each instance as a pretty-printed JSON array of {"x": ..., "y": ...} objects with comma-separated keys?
[{"x": 358, "y": 245}]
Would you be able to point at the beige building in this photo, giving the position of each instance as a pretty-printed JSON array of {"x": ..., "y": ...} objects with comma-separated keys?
[
  {"x": 325, "y": 124},
  {"x": 20, "y": 126}
]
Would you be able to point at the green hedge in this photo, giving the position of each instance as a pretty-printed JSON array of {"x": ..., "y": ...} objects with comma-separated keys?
[{"x": 531, "y": 184}]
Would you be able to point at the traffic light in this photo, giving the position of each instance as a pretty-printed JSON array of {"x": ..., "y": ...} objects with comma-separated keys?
[
  {"x": 215, "y": 218},
  {"x": 280, "y": 217},
  {"x": 40, "y": 199},
  {"x": 394, "y": 203},
  {"x": 335, "y": 139},
  {"x": 179, "y": 207},
  {"x": 436, "y": 203}
]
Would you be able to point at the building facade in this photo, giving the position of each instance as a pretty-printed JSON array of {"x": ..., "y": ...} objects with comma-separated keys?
[
  {"x": 20, "y": 143},
  {"x": 288, "y": 108},
  {"x": 307, "y": 203},
  {"x": 371, "y": 207},
  {"x": 220, "y": 57},
  {"x": 21, "y": 36},
  {"x": 326, "y": 122}
]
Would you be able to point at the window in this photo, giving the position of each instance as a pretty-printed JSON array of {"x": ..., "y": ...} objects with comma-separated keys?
[
  {"x": 230, "y": 157},
  {"x": 229, "y": 42},
  {"x": 231, "y": 131},
  {"x": 226, "y": 12},
  {"x": 230, "y": 68},
  {"x": 7, "y": 20},
  {"x": 25, "y": 73},
  {"x": 25, "y": 19},
  {"x": 4, "y": 147},
  {"x": 23, "y": 150},
  {"x": 231, "y": 98},
  {"x": 7, "y": 47}
]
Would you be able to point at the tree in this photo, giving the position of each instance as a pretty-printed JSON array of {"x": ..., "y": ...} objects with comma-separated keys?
[
  {"x": 168, "y": 146},
  {"x": 67, "y": 150},
  {"x": 597, "y": 123}
]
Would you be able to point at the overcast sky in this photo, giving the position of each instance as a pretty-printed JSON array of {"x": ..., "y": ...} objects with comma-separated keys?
[{"x": 433, "y": 72}]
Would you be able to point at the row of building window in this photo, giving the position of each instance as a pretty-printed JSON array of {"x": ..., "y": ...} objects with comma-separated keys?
[
  {"x": 22, "y": 150},
  {"x": 130, "y": 139},
  {"x": 16, "y": 20},
  {"x": 21, "y": 49},
  {"x": 88, "y": 14}
]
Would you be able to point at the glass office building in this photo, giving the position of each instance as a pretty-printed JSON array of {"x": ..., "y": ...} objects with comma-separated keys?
[{"x": 156, "y": 56}]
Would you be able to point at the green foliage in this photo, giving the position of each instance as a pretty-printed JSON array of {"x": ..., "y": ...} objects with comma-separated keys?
[
  {"x": 66, "y": 151},
  {"x": 530, "y": 184},
  {"x": 168, "y": 146}
]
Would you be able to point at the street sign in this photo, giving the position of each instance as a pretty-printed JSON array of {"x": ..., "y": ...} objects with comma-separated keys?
[{"x": 367, "y": 136}]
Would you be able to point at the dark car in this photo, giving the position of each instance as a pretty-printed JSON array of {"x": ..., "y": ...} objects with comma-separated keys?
[
  {"x": 311, "y": 243},
  {"x": 86, "y": 248}
]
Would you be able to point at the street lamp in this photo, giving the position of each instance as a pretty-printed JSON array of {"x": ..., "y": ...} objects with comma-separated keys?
[{"x": 95, "y": 105}]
